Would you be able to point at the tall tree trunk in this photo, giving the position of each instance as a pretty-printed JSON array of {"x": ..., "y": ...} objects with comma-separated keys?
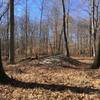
[
  {"x": 90, "y": 40},
  {"x": 7, "y": 38},
  {"x": 68, "y": 11},
  {"x": 40, "y": 35},
  {"x": 2, "y": 73},
  {"x": 93, "y": 21},
  {"x": 11, "y": 30},
  {"x": 26, "y": 36},
  {"x": 64, "y": 27},
  {"x": 96, "y": 63}
]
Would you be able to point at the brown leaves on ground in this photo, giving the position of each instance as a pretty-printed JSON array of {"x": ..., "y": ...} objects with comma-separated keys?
[{"x": 79, "y": 84}]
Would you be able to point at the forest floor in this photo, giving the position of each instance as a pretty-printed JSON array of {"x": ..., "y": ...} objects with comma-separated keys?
[{"x": 55, "y": 78}]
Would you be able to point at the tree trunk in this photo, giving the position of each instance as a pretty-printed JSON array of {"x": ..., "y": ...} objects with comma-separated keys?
[
  {"x": 2, "y": 72},
  {"x": 90, "y": 40},
  {"x": 40, "y": 34},
  {"x": 26, "y": 35},
  {"x": 96, "y": 63},
  {"x": 64, "y": 27},
  {"x": 11, "y": 30}
]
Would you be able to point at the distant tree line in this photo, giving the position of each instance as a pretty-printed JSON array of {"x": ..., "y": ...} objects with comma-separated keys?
[{"x": 57, "y": 32}]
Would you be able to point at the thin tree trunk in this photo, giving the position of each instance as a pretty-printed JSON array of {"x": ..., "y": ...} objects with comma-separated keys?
[
  {"x": 7, "y": 38},
  {"x": 64, "y": 26},
  {"x": 2, "y": 72},
  {"x": 90, "y": 41},
  {"x": 96, "y": 63},
  {"x": 26, "y": 42},
  {"x": 40, "y": 35}
]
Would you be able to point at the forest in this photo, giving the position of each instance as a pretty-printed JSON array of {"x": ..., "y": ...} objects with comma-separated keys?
[{"x": 49, "y": 49}]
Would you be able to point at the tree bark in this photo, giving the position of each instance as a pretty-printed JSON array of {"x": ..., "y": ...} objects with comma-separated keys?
[
  {"x": 64, "y": 27},
  {"x": 26, "y": 35},
  {"x": 40, "y": 34},
  {"x": 2, "y": 72},
  {"x": 96, "y": 63},
  {"x": 11, "y": 30}
]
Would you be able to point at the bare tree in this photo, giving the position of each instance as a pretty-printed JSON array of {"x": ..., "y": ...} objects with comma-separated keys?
[
  {"x": 64, "y": 27},
  {"x": 96, "y": 63},
  {"x": 1, "y": 66},
  {"x": 26, "y": 29},
  {"x": 95, "y": 22},
  {"x": 11, "y": 31}
]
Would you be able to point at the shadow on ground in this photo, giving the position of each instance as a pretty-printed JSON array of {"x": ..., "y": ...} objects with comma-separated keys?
[
  {"x": 53, "y": 87},
  {"x": 6, "y": 80}
]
